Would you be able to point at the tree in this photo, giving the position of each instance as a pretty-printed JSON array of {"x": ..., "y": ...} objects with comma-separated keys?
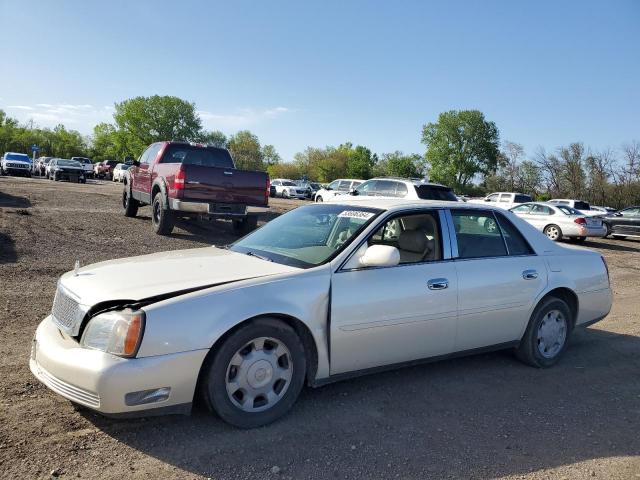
[
  {"x": 214, "y": 138},
  {"x": 460, "y": 145},
  {"x": 360, "y": 161},
  {"x": 397, "y": 164},
  {"x": 270, "y": 156},
  {"x": 246, "y": 151},
  {"x": 145, "y": 120},
  {"x": 511, "y": 156}
]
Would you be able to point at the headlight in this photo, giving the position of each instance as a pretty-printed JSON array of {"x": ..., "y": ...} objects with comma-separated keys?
[{"x": 116, "y": 332}]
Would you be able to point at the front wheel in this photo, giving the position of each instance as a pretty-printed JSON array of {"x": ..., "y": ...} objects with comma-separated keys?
[
  {"x": 553, "y": 232},
  {"x": 161, "y": 217},
  {"x": 256, "y": 375},
  {"x": 319, "y": 199},
  {"x": 547, "y": 334}
]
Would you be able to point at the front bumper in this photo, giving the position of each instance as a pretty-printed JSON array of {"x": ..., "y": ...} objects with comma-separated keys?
[
  {"x": 209, "y": 209},
  {"x": 17, "y": 170},
  {"x": 101, "y": 381}
]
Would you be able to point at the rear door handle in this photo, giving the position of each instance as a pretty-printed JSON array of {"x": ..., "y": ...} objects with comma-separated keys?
[
  {"x": 529, "y": 274},
  {"x": 438, "y": 284}
]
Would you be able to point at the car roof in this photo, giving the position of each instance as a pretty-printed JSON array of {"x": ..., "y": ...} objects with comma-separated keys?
[
  {"x": 414, "y": 181},
  {"x": 400, "y": 203}
]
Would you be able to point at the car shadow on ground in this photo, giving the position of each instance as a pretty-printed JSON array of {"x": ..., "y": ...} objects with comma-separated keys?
[
  {"x": 604, "y": 245},
  {"x": 8, "y": 252},
  {"x": 481, "y": 416},
  {"x": 12, "y": 201}
]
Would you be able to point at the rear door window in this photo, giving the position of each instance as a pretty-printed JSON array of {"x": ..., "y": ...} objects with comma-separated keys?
[
  {"x": 516, "y": 243},
  {"x": 367, "y": 188},
  {"x": 477, "y": 234},
  {"x": 505, "y": 197},
  {"x": 522, "y": 198}
]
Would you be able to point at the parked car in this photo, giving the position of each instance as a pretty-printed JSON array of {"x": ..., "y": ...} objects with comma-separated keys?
[
  {"x": 581, "y": 205},
  {"x": 411, "y": 189},
  {"x": 65, "y": 169},
  {"x": 605, "y": 210},
  {"x": 505, "y": 200},
  {"x": 341, "y": 186},
  {"x": 119, "y": 172},
  {"x": 374, "y": 282},
  {"x": 16, "y": 164},
  {"x": 87, "y": 165},
  {"x": 287, "y": 189},
  {"x": 558, "y": 221},
  {"x": 310, "y": 188},
  {"x": 623, "y": 224},
  {"x": 182, "y": 179},
  {"x": 104, "y": 169},
  {"x": 41, "y": 165}
]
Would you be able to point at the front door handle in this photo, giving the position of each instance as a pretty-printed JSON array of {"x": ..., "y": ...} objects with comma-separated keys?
[
  {"x": 529, "y": 274},
  {"x": 438, "y": 283}
]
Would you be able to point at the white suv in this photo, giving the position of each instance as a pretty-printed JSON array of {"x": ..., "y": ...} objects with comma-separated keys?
[
  {"x": 340, "y": 186},
  {"x": 412, "y": 189},
  {"x": 580, "y": 205}
]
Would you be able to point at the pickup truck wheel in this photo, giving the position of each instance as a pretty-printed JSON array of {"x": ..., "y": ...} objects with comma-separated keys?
[
  {"x": 256, "y": 375},
  {"x": 161, "y": 216},
  {"x": 129, "y": 204},
  {"x": 547, "y": 334},
  {"x": 246, "y": 225}
]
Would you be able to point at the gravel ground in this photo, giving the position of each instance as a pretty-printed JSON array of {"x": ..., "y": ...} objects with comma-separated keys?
[{"x": 486, "y": 416}]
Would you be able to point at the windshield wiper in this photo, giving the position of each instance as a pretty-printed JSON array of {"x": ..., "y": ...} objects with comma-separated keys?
[{"x": 261, "y": 257}]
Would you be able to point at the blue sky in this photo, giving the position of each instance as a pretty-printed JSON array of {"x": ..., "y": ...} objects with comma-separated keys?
[{"x": 321, "y": 73}]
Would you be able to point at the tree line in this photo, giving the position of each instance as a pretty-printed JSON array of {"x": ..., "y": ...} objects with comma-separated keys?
[{"x": 462, "y": 150}]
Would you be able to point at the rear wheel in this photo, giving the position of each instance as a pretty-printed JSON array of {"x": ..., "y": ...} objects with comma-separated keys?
[
  {"x": 319, "y": 199},
  {"x": 256, "y": 375},
  {"x": 553, "y": 232},
  {"x": 547, "y": 334},
  {"x": 245, "y": 225},
  {"x": 619, "y": 237},
  {"x": 161, "y": 216},
  {"x": 607, "y": 230}
]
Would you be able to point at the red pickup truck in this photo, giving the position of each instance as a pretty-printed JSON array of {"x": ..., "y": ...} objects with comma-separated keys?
[{"x": 185, "y": 180}]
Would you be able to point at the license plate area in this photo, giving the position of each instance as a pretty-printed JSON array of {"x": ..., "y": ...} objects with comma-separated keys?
[{"x": 227, "y": 208}]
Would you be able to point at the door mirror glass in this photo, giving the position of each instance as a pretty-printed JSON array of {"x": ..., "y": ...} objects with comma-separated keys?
[{"x": 380, "y": 256}]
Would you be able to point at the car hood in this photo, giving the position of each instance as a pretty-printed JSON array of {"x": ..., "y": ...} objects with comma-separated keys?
[{"x": 162, "y": 273}]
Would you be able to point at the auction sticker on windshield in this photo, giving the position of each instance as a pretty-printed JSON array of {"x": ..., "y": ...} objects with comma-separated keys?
[{"x": 356, "y": 214}]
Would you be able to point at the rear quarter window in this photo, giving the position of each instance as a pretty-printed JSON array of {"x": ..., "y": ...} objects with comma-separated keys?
[
  {"x": 434, "y": 192},
  {"x": 205, "y": 157},
  {"x": 522, "y": 199}
]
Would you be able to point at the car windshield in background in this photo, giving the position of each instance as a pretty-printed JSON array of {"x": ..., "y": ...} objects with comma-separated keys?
[
  {"x": 568, "y": 210},
  {"x": 434, "y": 192},
  {"x": 289, "y": 184},
  {"x": 18, "y": 156},
  {"x": 69, "y": 163},
  {"x": 307, "y": 236},
  {"x": 206, "y": 157}
]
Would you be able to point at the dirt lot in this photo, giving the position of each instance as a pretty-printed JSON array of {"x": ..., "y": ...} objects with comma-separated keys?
[{"x": 478, "y": 417}]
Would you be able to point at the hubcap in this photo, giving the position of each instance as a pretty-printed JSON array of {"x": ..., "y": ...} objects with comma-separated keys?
[
  {"x": 259, "y": 374},
  {"x": 552, "y": 233},
  {"x": 552, "y": 333}
]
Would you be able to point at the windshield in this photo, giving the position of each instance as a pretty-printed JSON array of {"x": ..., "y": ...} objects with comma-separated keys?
[
  {"x": 18, "y": 156},
  {"x": 307, "y": 236},
  {"x": 69, "y": 163},
  {"x": 289, "y": 184},
  {"x": 568, "y": 210}
]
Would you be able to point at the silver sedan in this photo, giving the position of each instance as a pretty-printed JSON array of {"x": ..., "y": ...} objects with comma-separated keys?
[{"x": 560, "y": 221}]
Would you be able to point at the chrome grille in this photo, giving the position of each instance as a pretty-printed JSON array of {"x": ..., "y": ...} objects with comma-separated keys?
[{"x": 65, "y": 312}]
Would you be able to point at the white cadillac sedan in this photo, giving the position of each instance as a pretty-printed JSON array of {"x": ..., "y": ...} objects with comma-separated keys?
[{"x": 322, "y": 293}]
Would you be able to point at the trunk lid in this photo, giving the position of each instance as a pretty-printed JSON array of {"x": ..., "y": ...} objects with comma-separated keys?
[{"x": 224, "y": 185}]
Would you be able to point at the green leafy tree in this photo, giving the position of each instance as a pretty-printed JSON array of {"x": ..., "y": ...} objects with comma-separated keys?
[
  {"x": 145, "y": 120},
  {"x": 270, "y": 156},
  {"x": 460, "y": 146},
  {"x": 397, "y": 164},
  {"x": 360, "y": 161},
  {"x": 246, "y": 150},
  {"x": 215, "y": 138}
]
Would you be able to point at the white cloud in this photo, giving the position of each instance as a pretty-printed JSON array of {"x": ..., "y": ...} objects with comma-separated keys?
[
  {"x": 82, "y": 117},
  {"x": 242, "y": 118}
]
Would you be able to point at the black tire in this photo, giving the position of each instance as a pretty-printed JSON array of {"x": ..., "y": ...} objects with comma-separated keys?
[
  {"x": 528, "y": 351},
  {"x": 607, "y": 230},
  {"x": 319, "y": 199},
  {"x": 161, "y": 217},
  {"x": 549, "y": 229},
  {"x": 580, "y": 239},
  {"x": 245, "y": 225},
  {"x": 129, "y": 204},
  {"x": 214, "y": 374},
  {"x": 619, "y": 237},
  {"x": 55, "y": 177}
]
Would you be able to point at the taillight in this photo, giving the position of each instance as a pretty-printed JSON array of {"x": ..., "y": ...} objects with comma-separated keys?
[
  {"x": 267, "y": 192},
  {"x": 580, "y": 221},
  {"x": 606, "y": 267},
  {"x": 178, "y": 180}
]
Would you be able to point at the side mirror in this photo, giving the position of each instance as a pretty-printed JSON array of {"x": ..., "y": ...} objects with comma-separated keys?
[
  {"x": 353, "y": 191},
  {"x": 617, "y": 214},
  {"x": 487, "y": 200},
  {"x": 380, "y": 256}
]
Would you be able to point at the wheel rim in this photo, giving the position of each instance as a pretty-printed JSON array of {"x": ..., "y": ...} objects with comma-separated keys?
[
  {"x": 318, "y": 199},
  {"x": 259, "y": 374},
  {"x": 552, "y": 333},
  {"x": 552, "y": 233},
  {"x": 491, "y": 226}
]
